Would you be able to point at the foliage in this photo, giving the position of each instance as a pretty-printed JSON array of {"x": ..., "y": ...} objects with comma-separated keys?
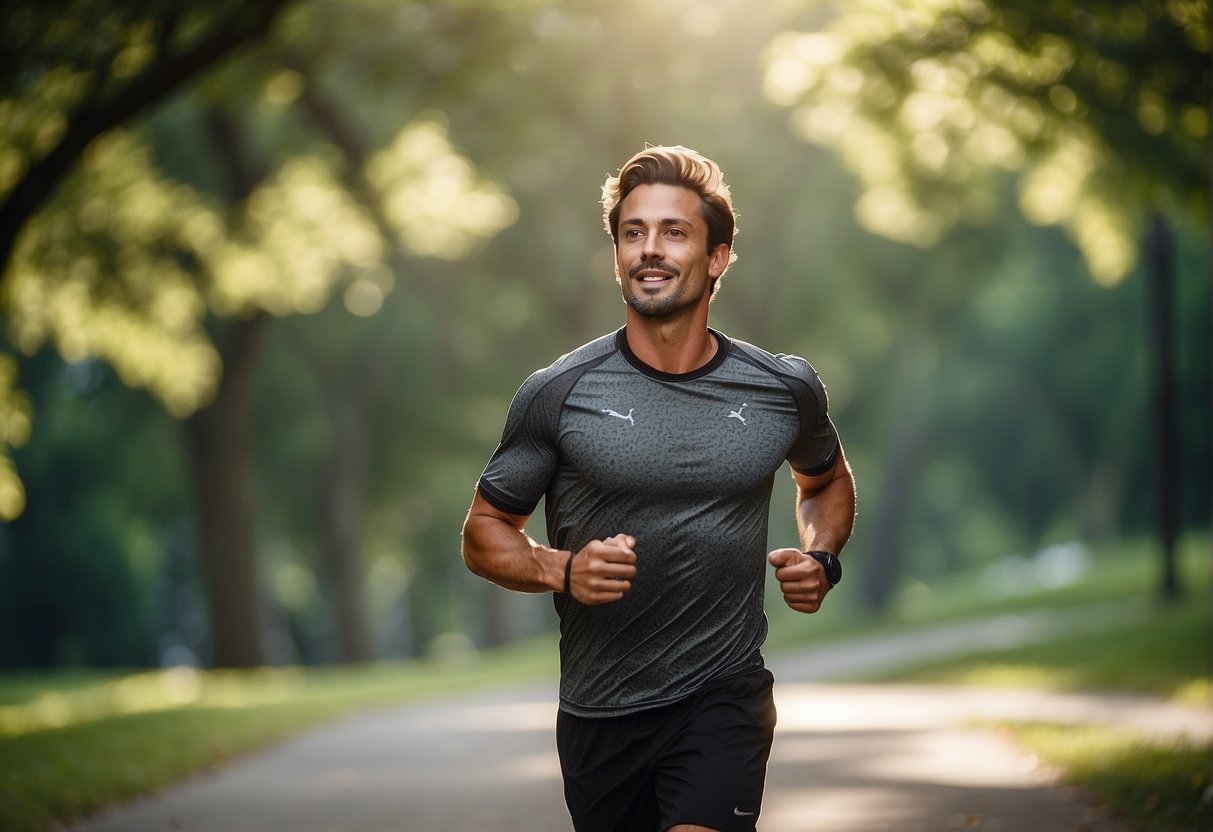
[
  {"x": 1102, "y": 109},
  {"x": 1158, "y": 786},
  {"x": 125, "y": 260},
  {"x": 404, "y": 192},
  {"x": 138, "y": 254},
  {"x": 94, "y": 590},
  {"x": 128, "y": 264},
  {"x": 1098, "y": 113}
]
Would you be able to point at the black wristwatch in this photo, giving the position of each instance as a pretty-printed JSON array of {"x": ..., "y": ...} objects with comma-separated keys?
[{"x": 831, "y": 564}]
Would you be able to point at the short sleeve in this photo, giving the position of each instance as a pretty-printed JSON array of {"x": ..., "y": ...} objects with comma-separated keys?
[
  {"x": 525, "y": 461},
  {"x": 816, "y": 448}
]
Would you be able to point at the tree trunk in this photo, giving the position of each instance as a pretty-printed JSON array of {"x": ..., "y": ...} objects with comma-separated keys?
[
  {"x": 907, "y": 443},
  {"x": 220, "y": 448},
  {"x": 1160, "y": 260},
  {"x": 882, "y": 565},
  {"x": 342, "y": 505}
]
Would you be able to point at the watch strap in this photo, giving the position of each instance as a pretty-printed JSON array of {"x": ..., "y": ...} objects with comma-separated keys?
[{"x": 830, "y": 563}]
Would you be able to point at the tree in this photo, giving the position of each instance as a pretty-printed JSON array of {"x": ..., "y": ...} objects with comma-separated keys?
[
  {"x": 97, "y": 66},
  {"x": 80, "y": 570},
  {"x": 172, "y": 275},
  {"x": 72, "y": 71},
  {"x": 1101, "y": 110}
]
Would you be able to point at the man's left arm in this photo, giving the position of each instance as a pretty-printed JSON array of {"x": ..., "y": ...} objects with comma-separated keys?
[{"x": 825, "y": 516}]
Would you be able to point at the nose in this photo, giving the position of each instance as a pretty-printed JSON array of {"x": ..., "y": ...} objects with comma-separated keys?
[{"x": 651, "y": 250}]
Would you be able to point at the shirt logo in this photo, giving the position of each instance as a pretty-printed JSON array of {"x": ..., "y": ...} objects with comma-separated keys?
[
  {"x": 627, "y": 418},
  {"x": 736, "y": 414}
]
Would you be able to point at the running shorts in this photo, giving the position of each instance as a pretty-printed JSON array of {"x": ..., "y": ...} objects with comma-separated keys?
[{"x": 701, "y": 760}]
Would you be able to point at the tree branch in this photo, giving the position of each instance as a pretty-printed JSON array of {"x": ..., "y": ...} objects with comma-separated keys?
[{"x": 247, "y": 24}]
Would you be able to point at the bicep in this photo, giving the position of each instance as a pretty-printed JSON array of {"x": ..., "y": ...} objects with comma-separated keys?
[
  {"x": 809, "y": 485},
  {"x": 484, "y": 512}
]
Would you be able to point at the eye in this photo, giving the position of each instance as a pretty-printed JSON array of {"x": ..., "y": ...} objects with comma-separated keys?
[
  {"x": 632, "y": 234},
  {"x": 677, "y": 233}
]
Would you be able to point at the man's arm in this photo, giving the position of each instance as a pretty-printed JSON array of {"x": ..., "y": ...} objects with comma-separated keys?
[
  {"x": 496, "y": 547},
  {"x": 825, "y": 516},
  {"x": 825, "y": 507}
]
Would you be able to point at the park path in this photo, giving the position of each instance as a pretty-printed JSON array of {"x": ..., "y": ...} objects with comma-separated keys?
[{"x": 847, "y": 757}]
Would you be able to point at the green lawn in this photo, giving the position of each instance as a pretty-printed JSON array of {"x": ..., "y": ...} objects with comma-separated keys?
[
  {"x": 72, "y": 743},
  {"x": 1159, "y": 786},
  {"x": 1155, "y": 649}
]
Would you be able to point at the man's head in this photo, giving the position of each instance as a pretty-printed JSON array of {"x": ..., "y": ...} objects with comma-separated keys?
[{"x": 680, "y": 167}]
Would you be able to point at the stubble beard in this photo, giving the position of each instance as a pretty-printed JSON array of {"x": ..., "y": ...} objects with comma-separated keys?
[{"x": 661, "y": 306}]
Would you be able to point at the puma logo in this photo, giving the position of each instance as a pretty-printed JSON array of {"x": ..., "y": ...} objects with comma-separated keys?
[
  {"x": 627, "y": 418},
  {"x": 736, "y": 414}
]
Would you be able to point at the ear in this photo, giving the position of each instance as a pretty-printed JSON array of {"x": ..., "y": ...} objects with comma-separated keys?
[{"x": 719, "y": 261}]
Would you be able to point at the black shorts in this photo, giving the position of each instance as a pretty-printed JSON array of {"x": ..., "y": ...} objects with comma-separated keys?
[{"x": 702, "y": 761}]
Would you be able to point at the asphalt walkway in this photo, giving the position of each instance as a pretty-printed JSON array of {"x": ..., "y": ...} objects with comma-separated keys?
[{"x": 847, "y": 757}]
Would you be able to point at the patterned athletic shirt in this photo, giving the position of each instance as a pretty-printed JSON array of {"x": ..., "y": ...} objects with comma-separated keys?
[{"x": 685, "y": 464}]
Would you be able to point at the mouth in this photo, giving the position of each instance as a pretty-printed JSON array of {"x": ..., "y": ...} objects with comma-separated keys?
[{"x": 653, "y": 275}]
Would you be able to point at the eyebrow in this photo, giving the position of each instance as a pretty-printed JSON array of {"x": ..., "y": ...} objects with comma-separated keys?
[{"x": 665, "y": 222}]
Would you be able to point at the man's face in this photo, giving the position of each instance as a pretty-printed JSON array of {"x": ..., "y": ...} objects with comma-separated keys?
[{"x": 661, "y": 257}]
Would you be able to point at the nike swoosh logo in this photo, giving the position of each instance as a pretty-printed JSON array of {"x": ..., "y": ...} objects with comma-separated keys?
[{"x": 742, "y": 814}]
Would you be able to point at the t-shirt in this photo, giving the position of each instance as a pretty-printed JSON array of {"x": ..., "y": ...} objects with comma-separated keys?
[{"x": 684, "y": 463}]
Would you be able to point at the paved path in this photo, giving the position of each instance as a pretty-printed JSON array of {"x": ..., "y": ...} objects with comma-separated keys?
[{"x": 852, "y": 758}]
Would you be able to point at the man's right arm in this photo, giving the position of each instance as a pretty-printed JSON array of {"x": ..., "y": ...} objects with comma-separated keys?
[{"x": 496, "y": 547}]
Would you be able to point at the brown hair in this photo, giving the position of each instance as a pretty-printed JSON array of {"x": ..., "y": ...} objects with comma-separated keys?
[{"x": 680, "y": 166}]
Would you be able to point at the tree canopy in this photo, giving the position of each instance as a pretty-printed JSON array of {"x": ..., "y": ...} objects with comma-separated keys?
[
  {"x": 1100, "y": 110},
  {"x": 263, "y": 322}
]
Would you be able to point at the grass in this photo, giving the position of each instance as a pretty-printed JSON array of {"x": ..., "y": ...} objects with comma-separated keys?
[
  {"x": 1116, "y": 573},
  {"x": 1153, "y": 649},
  {"x": 1163, "y": 651},
  {"x": 73, "y": 743},
  {"x": 1157, "y": 786}
]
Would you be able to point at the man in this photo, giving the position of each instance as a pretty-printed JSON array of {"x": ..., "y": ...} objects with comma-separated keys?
[{"x": 656, "y": 447}]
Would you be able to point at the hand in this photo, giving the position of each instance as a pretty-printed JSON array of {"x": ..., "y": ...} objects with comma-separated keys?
[
  {"x": 801, "y": 578},
  {"x": 602, "y": 571}
]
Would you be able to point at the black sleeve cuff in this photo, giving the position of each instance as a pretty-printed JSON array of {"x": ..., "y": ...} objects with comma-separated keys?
[
  {"x": 817, "y": 470},
  {"x": 502, "y": 502}
]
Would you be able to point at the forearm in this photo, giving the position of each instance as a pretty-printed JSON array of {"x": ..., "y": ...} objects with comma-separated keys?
[
  {"x": 499, "y": 552},
  {"x": 826, "y": 516}
]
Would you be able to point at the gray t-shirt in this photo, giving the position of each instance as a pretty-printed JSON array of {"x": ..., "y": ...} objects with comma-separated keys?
[{"x": 685, "y": 464}]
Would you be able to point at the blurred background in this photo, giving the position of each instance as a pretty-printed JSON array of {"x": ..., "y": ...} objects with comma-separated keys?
[{"x": 271, "y": 273}]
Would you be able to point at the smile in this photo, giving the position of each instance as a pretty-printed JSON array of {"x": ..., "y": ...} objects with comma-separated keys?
[{"x": 653, "y": 272}]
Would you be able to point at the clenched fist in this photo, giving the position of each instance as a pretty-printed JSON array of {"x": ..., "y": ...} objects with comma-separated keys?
[
  {"x": 801, "y": 579},
  {"x": 602, "y": 571}
]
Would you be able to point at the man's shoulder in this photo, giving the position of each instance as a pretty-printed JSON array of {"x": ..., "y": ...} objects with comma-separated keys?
[
  {"x": 599, "y": 348},
  {"x": 583, "y": 358},
  {"x": 783, "y": 365}
]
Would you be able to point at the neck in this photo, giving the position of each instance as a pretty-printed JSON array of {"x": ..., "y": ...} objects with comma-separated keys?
[{"x": 675, "y": 347}]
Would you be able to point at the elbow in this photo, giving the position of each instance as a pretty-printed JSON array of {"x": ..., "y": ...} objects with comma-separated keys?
[
  {"x": 473, "y": 566},
  {"x": 469, "y": 556},
  {"x": 472, "y": 554}
]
